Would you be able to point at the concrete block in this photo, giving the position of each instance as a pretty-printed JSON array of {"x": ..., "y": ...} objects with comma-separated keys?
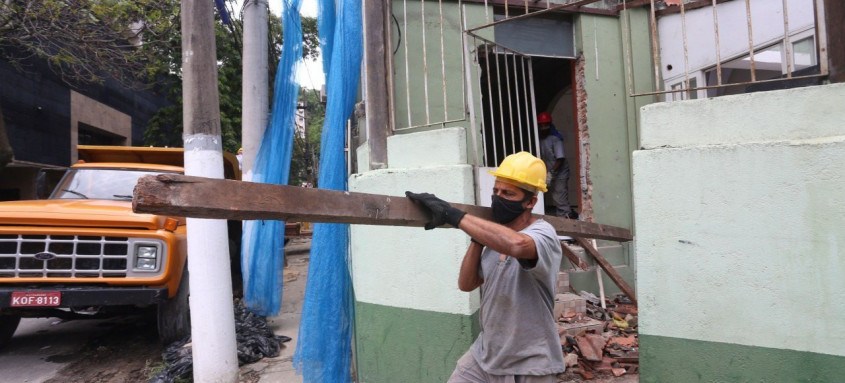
[
  {"x": 569, "y": 305},
  {"x": 562, "y": 283}
]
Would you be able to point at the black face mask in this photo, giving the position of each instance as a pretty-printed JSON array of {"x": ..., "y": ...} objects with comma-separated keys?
[{"x": 505, "y": 211}]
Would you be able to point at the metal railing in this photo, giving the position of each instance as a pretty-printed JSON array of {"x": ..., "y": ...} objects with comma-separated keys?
[{"x": 689, "y": 85}]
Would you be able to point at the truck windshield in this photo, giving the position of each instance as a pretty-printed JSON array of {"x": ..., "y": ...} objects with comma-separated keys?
[{"x": 113, "y": 184}]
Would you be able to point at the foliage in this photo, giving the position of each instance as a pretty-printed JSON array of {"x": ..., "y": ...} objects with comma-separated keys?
[
  {"x": 306, "y": 147},
  {"x": 137, "y": 43},
  {"x": 165, "y": 128},
  {"x": 87, "y": 41}
]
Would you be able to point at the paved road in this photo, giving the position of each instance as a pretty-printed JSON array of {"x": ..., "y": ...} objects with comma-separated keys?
[{"x": 42, "y": 346}]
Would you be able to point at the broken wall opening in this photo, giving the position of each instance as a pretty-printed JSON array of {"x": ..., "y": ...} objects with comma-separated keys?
[{"x": 520, "y": 76}]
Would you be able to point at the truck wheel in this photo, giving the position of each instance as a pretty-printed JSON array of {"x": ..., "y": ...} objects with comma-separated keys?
[
  {"x": 8, "y": 325},
  {"x": 174, "y": 314}
]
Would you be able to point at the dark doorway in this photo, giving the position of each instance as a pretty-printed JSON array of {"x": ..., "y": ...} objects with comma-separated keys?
[
  {"x": 89, "y": 135},
  {"x": 513, "y": 89}
]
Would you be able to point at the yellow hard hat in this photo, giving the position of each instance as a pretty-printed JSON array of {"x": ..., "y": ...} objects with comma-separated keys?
[{"x": 523, "y": 170}]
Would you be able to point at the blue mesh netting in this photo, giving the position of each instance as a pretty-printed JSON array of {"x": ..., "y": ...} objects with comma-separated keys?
[
  {"x": 323, "y": 352},
  {"x": 262, "y": 252}
]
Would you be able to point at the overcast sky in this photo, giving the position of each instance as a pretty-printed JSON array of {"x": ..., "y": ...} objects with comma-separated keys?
[{"x": 309, "y": 75}]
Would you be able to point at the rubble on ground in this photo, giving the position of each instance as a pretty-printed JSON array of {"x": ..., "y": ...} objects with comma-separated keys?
[
  {"x": 255, "y": 341},
  {"x": 597, "y": 342}
]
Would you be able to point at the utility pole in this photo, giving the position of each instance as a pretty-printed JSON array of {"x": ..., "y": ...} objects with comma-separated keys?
[
  {"x": 255, "y": 109},
  {"x": 212, "y": 311}
]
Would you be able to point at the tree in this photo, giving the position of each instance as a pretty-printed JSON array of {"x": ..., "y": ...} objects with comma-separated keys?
[
  {"x": 306, "y": 147},
  {"x": 165, "y": 128},
  {"x": 84, "y": 41}
]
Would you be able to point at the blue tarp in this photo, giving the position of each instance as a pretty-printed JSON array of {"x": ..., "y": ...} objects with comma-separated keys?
[
  {"x": 324, "y": 349},
  {"x": 262, "y": 252}
]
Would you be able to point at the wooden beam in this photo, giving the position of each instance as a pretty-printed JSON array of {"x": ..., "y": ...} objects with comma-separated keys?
[
  {"x": 574, "y": 258},
  {"x": 608, "y": 268},
  {"x": 518, "y": 6},
  {"x": 197, "y": 197},
  {"x": 834, "y": 13},
  {"x": 377, "y": 105}
]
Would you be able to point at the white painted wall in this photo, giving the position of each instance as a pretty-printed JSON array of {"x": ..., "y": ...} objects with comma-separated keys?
[
  {"x": 767, "y": 21},
  {"x": 412, "y": 267},
  {"x": 739, "y": 228},
  {"x": 786, "y": 115}
]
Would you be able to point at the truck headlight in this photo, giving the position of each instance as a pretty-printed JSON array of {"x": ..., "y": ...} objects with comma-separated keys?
[{"x": 146, "y": 257}]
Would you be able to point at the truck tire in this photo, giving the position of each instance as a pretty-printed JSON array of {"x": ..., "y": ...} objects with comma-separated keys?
[
  {"x": 174, "y": 314},
  {"x": 8, "y": 325}
]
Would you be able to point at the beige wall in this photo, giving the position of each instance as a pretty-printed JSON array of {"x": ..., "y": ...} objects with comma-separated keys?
[{"x": 98, "y": 115}]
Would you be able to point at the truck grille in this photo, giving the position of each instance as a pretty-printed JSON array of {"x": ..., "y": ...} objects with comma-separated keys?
[{"x": 69, "y": 256}]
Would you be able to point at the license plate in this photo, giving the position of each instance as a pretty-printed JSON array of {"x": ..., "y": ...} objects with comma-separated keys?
[{"x": 36, "y": 298}]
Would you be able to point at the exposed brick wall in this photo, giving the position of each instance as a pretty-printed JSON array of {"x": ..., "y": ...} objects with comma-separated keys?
[{"x": 586, "y": 191}]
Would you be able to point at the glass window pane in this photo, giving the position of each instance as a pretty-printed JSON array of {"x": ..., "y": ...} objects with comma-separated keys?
[{"x": 804, "y": 53}]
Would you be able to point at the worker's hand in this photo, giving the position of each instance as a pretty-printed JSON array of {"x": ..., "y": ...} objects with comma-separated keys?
[
  {"x": 441, "y": 211},
  {"x": 548, "y": 178}
]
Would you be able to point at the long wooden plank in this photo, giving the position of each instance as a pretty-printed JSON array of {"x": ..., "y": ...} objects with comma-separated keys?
[
  {"x": 199, "y": 197},
  {"x": 608, "y": 268}
]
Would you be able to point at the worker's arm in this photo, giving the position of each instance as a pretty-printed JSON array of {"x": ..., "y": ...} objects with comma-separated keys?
[
  {"x": 469, "y": 277},
  {"x": 500, "y": 238}
]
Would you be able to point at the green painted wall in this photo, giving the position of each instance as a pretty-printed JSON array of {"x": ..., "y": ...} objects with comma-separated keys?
[
  {"x": 719, "y": 264},
  {"x": 405, "y": 345},
  {"x": 611, "y": 114},
  {"x": 665, "y": 359},
  {"x": 612, "y": 123},
  {"x": 410, "y": 76},
  {"x": 424, "y": 63}
]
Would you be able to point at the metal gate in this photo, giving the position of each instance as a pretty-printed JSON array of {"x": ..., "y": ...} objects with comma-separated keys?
[{"x": 506, "y": 100}]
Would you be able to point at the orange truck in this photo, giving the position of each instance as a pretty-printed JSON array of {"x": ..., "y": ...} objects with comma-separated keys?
[{"x": 83, "y": 253}]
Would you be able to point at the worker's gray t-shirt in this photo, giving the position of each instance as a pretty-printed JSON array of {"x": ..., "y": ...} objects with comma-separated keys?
[{"x": 518, "y": 331}]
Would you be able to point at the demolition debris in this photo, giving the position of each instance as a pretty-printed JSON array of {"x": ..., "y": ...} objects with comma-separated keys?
[{"x": 597, "y": 342}]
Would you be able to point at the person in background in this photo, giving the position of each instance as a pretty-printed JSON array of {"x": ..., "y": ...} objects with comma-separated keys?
[{"x": 557, "y": 178}]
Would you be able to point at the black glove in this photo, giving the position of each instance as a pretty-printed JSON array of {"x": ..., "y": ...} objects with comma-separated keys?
[{"x": 441, "y": 211}]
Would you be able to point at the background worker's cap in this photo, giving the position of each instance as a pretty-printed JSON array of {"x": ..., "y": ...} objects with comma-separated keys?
[
  {"x": 523, "y": 170},
  {"x": 544, "y": 118}
]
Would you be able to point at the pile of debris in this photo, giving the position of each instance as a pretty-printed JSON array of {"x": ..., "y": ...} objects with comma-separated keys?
[
  {"x": 599, "y": 339},
  {"x": 255, "y": 340}
]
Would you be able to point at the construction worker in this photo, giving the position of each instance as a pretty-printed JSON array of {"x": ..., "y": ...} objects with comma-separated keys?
[
  {"x": 515, "y": 260},
  {"x": 557, "y": 179}
]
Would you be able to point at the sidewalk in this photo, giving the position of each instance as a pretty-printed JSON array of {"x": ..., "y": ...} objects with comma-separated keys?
[{"x": 280, "y": 368}]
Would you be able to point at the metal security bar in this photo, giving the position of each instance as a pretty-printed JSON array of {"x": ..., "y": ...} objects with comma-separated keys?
[
  {"x": 712, "y": 78},
  {"x": 506, "y": 100},
  {"x": 431, "y": 63},
  {"x": 506, "y": 103},
  {"x": 427, "y": 47}
]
